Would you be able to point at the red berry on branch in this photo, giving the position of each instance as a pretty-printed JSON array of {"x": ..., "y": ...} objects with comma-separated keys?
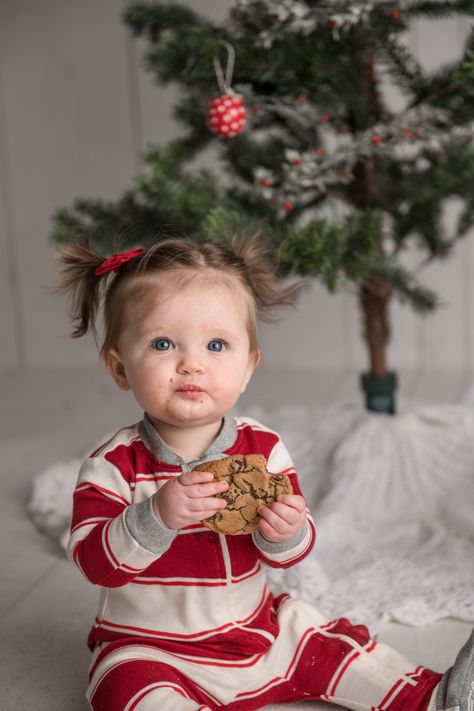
[
  {"x": 406, "y": 132},
  {"x": 321, "y": 152},
  {"x": 394, "y": 14},
  {"x": 332, "y": 24},
  {"x": 297, "y": 161},
  {"x": 325, "y": 118},
  {"x": 264, "y": 182},
  {"x": 227, "y": 115},
  {"x": 288, "y": 206},
  {"x": 376, "y": 138}
]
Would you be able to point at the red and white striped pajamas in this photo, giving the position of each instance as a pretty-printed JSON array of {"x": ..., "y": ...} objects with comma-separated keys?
[{"x": 194, "y": 626}]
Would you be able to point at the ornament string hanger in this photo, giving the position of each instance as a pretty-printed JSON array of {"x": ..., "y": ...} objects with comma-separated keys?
[
  {"x": 227, "y": 115},
  {"x": 225, "y": 81}
]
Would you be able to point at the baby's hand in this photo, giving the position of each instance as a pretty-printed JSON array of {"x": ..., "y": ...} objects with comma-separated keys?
[
  {"x": 283, "y": 519},
  {"x": 188, "y": 499}
]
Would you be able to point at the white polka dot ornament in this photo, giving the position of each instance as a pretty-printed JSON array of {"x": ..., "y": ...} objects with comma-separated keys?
[{"x": 227, "y": 115}]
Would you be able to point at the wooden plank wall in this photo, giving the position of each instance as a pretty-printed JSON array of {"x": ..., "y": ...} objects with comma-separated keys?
[{"x": 77, "y": 111}]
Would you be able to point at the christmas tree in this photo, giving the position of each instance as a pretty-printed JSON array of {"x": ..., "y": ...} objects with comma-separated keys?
[{"x": 311, "y": 154}]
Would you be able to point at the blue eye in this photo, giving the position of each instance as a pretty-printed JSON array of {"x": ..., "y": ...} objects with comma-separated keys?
[
  {"x": 216, "y": 346},
  {"x": 162, "y": 344}
]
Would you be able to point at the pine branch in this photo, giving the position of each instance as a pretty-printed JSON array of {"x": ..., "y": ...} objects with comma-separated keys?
[
  {"x": 245, "y": 154},
  {"x": 403, "y": 68},
  {"x": 437, "y": 9},
  {"x": 109, "y": 224},
  {"x": 222, "y": 223},
  {"x": 407, "y": 288},
  {"x": 153, "y": 19},
  {"x": 315, "y": 250}
]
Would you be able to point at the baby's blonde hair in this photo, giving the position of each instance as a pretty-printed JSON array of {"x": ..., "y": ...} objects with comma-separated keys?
[{"x": 241, "y": 262}]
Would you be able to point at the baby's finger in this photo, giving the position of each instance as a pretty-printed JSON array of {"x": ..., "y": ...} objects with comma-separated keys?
[
  {"x": 273, "y": 519},
  {"x": 293, "y": 500},
  {"x": 287, "y": 513},
  {"x": 269, "y": 532},
  {"x": 206, "y": 503},
  {"x": 210, "y": 488},
  {"x": 189, "y": 478}
]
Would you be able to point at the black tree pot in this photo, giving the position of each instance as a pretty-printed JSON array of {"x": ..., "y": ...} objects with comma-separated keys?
[{"x": 379, "y": 392}]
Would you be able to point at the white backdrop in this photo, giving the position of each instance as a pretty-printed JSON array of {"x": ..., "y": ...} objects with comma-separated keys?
[{"x": 76, "y": 112}]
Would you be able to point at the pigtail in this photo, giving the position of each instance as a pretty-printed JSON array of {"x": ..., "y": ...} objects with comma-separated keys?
[
  {"x": 78, "y": 279},
  {"x": 260, "y": 271}
]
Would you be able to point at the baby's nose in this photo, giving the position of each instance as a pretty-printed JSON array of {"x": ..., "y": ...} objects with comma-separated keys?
[{"x": 190, "y": 364}]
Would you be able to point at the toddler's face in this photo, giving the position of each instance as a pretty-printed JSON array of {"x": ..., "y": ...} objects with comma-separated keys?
[{"x": 188, "y": 359}]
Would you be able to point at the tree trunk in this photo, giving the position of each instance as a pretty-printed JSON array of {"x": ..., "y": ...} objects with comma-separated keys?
[
  {"x": 374, "y": 293},
  {"x": 374, "y": 299},
  {"x": 379, "y": 384}
]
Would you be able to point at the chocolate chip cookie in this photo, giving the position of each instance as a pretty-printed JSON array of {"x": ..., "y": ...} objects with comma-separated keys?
[{"x": 250, "y": 486}]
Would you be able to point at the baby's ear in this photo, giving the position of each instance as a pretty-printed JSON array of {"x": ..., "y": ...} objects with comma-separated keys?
[
  {"x": 254, "y": 360},
  {"x": 116, "y": 368},
  {"x": 257, "y": 357}
]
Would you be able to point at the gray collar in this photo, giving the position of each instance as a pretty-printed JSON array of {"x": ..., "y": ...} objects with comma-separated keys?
[{"x": 224, "y": 440}]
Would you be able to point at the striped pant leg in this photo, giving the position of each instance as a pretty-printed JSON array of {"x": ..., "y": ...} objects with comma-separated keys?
[
  {"x": 145, "y": 685},
  {"x": 342, "y": 665}
]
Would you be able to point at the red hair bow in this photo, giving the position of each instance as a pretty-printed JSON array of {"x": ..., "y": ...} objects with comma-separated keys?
[{"x": 115, "y": 261}]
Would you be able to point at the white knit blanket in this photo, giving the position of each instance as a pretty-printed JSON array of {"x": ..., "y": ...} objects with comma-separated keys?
[{"x": 393, "y": 501}]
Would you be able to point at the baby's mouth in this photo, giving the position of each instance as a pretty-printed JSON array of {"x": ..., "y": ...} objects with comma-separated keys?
[{"x": 190, "y": 391}]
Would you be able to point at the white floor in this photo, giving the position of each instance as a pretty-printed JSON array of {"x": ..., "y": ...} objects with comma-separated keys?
[{"x": 45, "y": 605}]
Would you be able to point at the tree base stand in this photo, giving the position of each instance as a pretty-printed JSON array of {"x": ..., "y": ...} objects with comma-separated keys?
[{"x": 379, "y": 392}]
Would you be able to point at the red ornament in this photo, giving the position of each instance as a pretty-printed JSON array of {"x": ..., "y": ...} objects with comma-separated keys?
[
  {"x": 297, "y": 161},
  {"x": 288, "y": 206},
  {"x": 227, "y": 115}
]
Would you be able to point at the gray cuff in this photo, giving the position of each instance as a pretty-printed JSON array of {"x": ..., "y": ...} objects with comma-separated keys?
[
  {"x": 267, "y": 546},
  {"x": 148, "y": 531}
]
